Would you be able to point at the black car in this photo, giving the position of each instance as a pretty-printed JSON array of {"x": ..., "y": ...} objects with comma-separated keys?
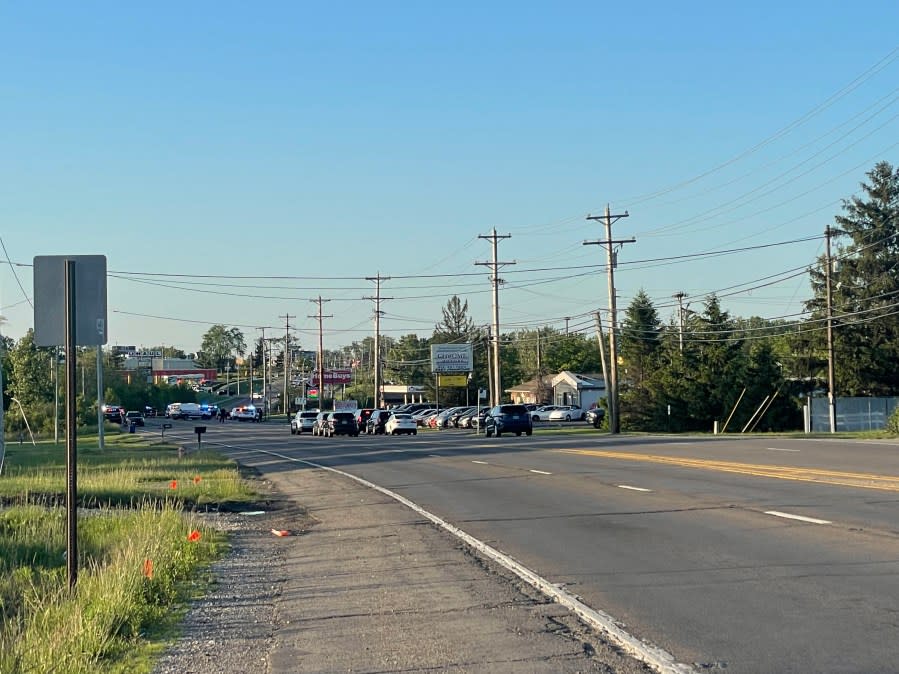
[
  {"x": 135, "y": 418},
  {"x": 377, "y": 421},
  {"x": 341, "y": 423},
  {"x": 595, "y": 416},
  {"x": 508, "y": 419},
  {"x": 362, "y": 416}
]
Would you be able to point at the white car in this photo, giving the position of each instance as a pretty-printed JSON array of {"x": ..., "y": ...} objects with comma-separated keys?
[
  {"x": 401, "y": 423},
  {"x": 302, "y": 421},
  {"x": 247, "y": 413},
  {"x": 568, "y": 413},
  {"x": 542, "y": 413}
]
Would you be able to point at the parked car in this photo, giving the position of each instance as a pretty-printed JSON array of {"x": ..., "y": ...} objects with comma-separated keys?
[
  {"x": 135, "y": 418},
  {"x": 341, "y": 423},
  {"x": 302, "y": 421},
  {"x": 420, "y": 416},
  {"x": 508, "y": 419},
  {"x": 568, "y": 413},
  {"x": 401, "y": 423},
  {"x": 442, "y": 417},
  {"x": 149, "y": 411},
  {"x": 477, "y": 420},
  {"x": 464, "y": 420},
  {"x": 362, "y": 418},
  {"x": 377, "y": 421},
  {"x": 321, "y": 419},
  {"x": 595, "y": 416},
  {"x": 542, "y": 413},
  {"x": 453, "y": 419}
]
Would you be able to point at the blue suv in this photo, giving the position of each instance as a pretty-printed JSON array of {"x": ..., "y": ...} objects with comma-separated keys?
[{"x": 508, "y": 419}]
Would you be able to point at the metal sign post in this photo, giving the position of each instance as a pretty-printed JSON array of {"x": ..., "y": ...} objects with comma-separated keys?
[
  {"x": 71, "y": 437},
  {"x": 74, "y": 287}
]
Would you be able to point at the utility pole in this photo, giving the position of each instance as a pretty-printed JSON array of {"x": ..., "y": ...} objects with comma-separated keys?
[
  {"x": 377, "y": 300},
  {"x": 679, "y": 296},
  {"x": 321, "y": 352},
  {"x": 496, "y": 280},
  {"x": 286, "y": 318},
  {"x": 264, "y": 374},
  {"x": 567, "y": 318},
  {"x": 602, "y": 355},
  {"x": 101, "y": 415},
  {"x": 611, "y": 256},
  {"x": 831, "y": 400}
]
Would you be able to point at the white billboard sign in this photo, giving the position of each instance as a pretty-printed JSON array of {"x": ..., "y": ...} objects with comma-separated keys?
[{"x": 451, "y": 358}]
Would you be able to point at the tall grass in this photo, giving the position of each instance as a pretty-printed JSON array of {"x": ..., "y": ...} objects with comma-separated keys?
[
  {"x": 133, "y": 568},
  {"x": 121, "y": 476},
  {"x": 135, "y": 559}
]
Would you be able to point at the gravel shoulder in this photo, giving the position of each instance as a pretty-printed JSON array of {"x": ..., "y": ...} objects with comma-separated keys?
[{"x": 363, "y": 584}]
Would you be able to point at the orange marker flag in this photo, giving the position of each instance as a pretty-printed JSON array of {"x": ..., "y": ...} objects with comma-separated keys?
[
  {"x": 148, "y": 568},
  {"x": 173, "y": 484},
  {"x": 197, "y": 479},
  {"x": 280, "y": 532},
  {"x": 193, "y": 536}
]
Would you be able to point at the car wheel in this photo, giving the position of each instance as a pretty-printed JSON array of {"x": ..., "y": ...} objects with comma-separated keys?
[
  {"x": 567, "y": 417},
  {"x": 517, "y": 434},
  {"x": 414, "y": 432},
  {"x": 536, "y": 417},
  {"x": 528, "y": 432}
]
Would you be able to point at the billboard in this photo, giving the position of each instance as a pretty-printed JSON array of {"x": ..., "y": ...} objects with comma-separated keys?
[
  {"x": 332, "y": 377},
  {"x": 452, "y": 380},
  {"x": 451, "y": 358}
]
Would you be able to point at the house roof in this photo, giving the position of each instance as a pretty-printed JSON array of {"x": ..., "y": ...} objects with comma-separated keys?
[
  {"x": 532, "y": 385},
  {"x": 580, "y": 382}
]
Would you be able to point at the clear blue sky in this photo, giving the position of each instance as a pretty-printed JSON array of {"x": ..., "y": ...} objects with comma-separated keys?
[{"x": 327, "y": 142}]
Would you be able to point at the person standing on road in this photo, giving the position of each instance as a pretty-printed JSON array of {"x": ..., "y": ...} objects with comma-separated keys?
[{"x": 222, "y": 414}]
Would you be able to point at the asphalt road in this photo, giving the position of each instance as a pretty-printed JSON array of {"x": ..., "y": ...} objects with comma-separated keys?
[{"x": 751, "y": 553}]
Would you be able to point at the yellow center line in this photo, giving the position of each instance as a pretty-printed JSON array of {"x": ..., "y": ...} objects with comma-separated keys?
[{"x": 841, "y": 478}]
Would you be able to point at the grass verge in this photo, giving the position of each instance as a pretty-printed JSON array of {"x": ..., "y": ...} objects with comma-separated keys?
[{"x": 141, "y": 552}]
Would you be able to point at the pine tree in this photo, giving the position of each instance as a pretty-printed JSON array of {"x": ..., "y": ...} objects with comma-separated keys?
[{"x": 865, "y": 285}]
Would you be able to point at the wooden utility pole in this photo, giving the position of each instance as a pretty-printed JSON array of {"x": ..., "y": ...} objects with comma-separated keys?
[
  {"x": 831, "y": 384},
  {"x": 379, "y": 397},
  {"x": 611, "y": 256},
  {"x": 321, "y": 351},
  {"x": 602, "y": 356},
  {"x": 496, "y": 280},
  {"x": 679, "y": 296},
  {"x": 284, "y": 404}
]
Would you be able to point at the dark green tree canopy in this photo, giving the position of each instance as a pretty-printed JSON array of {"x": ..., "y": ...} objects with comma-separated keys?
[{"x": 865, "y": 289}]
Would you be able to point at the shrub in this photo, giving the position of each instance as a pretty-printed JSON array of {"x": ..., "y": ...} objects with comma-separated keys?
[{"x": 893, "y": 422}]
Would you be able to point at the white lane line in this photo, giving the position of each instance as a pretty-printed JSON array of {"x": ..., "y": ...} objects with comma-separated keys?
[
  {"x": 657, "y": 658},
  {"x": 781, "y": 449},
  {"x": 627, "y": 486},
  {"x": 481, "y": 462},
  {"x": 540, "y": 472},
  {"x": 436, "y": 456},
  {"x": 801, "y": 518}
]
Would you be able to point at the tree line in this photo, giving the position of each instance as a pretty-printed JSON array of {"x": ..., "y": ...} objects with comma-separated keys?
[{"x": 679, "y": 375}]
